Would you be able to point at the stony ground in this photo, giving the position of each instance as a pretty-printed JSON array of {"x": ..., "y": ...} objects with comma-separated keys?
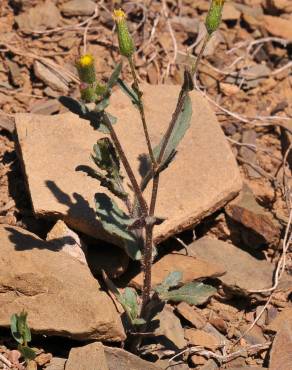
[{"x": 239, "y": 246}]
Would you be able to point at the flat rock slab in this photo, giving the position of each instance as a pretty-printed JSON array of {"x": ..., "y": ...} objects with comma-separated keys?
[
  {"x": 202, "y": 178},
  {"x": 244, "y": 272},
  {"x": 192, "y": 268},
  {"x": 90, "y": 357},
  {"x": 58, "y": 292},
  {"x": 119, "y": 359}
]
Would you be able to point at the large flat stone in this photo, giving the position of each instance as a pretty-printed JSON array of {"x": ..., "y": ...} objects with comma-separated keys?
[
  {"x": 58, "y": 292},
  {"x": 244, "y": 272},
  {"x": 202, "y": 178}
]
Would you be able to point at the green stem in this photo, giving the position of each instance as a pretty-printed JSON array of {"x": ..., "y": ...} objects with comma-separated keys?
[
  {"x": 142, "y": 113},
  {"x": 136, "y": 188}
]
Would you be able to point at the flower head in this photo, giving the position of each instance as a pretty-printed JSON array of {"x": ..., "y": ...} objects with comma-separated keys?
[
  {"x": 126, "y": 43},
  {"x": 86, "y": 69},
  {"x": 119, "y": 15},
  {"x": 213, "y": 18}
]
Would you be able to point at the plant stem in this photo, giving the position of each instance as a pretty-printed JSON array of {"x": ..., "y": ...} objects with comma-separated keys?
[
  {"x": 142, "y": 113},
  {"x": 155, "y": 165},
  {"x": 142, "y": 203},
  {"x": 199, "y": 57}
]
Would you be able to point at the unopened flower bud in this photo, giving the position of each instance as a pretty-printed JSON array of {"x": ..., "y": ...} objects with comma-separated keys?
[
  {"x": 87, "y": 92},
  {"x": 86, "y": 69},
  {"x": 213, "y": 18},
  {"x": 126, "y": 43}
]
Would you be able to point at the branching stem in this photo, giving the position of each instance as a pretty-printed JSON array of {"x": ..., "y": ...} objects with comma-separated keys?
[{"x": 142, "y": 203}]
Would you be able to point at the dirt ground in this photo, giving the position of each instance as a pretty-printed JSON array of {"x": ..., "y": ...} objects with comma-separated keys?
[{"x": 245, "y": 75}]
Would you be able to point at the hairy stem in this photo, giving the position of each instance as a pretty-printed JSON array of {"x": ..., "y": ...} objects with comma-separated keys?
[
  {"x": 142, "y": 113},
  {"x": 155, "y": 165},
  {"x": 136, "y": 188}
]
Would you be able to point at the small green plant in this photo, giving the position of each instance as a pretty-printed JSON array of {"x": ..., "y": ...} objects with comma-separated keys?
[
  {"x": 21, "y": 333},
  {"x": 135, "y": 226}
]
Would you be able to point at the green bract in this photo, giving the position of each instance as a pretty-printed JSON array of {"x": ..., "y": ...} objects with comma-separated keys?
[
  {"x": 126, "y": 43},
  {"x": 213, "y": 18}
]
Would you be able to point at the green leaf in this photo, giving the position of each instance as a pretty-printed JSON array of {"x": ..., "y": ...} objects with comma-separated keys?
[
  {"x": 170, "y": 281},
  {"x": 131, "y": 303},
  {"x": 116, "y": 222},
  {"x": 182, "y": 124},
  {"x": 27, "y": 353},
  {"x": 129, "y": 92},
  {"x": 106, "y": 182},
  {"x": 138, "y": 322},
  {"x": 106, "y": 157},
  {"x": 14, "y": 329},
  {"x": 115, "y": 75},
  {"x": 102, "y": 105},
  {"x": 90, "y": 112},
  {"x": 193, "y": 293},
  {"x": 19, "y": 328}
]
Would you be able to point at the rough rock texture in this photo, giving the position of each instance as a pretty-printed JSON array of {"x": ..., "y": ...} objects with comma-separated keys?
[
  {"x": 281, "y": 354},
  {"x": 190, "y": 267},
  {"x": 170, "y": 329},
  {"x": 67, "y": 241},
  {"x": 119, "y": 359},
  {"x": 78, "y": 7},
  {"x": 49, "y": 77},
  {"x": 202, "y": 178},
  {"x": 90, "y": 357},
  {"x": 244, "y": 272},
  {"x": 260, "y": 227},
  {"x": 59, "y": 293},
  {"x": 198, "y": 337}
]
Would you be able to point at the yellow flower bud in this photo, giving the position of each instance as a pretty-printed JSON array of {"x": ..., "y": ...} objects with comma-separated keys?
[
  {"x": 86, "y": 69},
  {"x": 126, "y": 43},
  {"x": 213, "y": 18}
]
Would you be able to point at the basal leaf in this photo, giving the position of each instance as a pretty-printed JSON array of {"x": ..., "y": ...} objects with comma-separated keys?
[
  {"x": 170, "y": 281},
  {"x": 131, "y": 302},
  {"x": 27, "y": 352},
  {"x": 14, "y": 329},
  {"x": 116, "y": 222},
  {"x": 193, "y": 293}
]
